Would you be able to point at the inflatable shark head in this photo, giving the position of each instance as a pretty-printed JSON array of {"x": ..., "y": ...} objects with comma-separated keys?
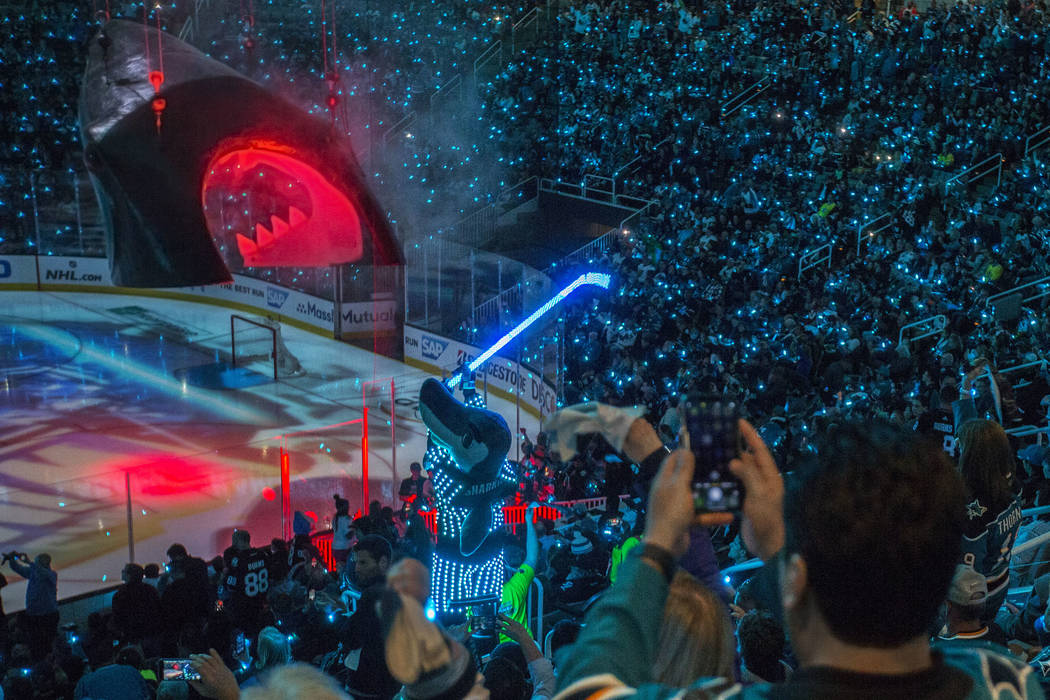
[{"x": 202, "y": 171}]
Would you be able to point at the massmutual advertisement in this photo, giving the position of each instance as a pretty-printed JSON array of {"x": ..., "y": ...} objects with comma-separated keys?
[{"x": 54, "y": 273}]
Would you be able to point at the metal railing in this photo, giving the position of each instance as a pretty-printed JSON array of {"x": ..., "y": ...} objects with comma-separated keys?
[
  {"x": 877, "y": 225},
  {"x": 1043, "y": 282},
  {"x": 401, "y": 126},
  {"x": 453, "y": 88},
  {"x": 517, "y": 32},
  {"x": 925, "y": 328},
  {"x": 814, "y": 258},
  {"x": 629, "y": 167},
  {"x": 492, "y": 53},
  {"x": 746, "y": 95},
  {"x": 1037, "y": 139},
  {"x": 979, "y": 170}
]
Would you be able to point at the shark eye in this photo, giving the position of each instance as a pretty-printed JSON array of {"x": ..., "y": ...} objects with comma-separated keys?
[{"x": 468, "y": 438}]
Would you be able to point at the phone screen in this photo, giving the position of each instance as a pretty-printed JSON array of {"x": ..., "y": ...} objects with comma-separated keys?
[
  {"x": 483, "y": 619},
  {"x": 714, "y": 438},
  {"x": 179, "y": 670}
]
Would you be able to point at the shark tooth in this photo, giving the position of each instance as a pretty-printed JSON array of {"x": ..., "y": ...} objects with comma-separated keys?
[
  {"x": 295, "y": 216},
  {"x": 263, "y": 236},
  {"x": 246, "y": 246},
  {"x": 280, "y": 226}
]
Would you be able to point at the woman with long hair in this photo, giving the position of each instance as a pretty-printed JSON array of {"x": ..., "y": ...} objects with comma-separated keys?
[
  {"x": 993, "y": 505},
  {"x": 696, "y": 635}
]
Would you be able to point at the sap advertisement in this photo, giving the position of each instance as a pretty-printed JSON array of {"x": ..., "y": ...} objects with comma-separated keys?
[
  {"x": 436, "y": 353},
  {"x": 62, "y": 273}
]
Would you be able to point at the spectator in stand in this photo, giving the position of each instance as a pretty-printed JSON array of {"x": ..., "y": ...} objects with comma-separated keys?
[
  {"x": 365, "y": 660},
  {"x": 41, "y": 612},
  {"x": 302, "y": 552},
  {"x": 245, "y": 584},
  {"x": 516, "y": 589},
  {"x": 121, "y": 679},
  {"x": 136, "y": 606},
  {"x": 761, "y": 643},
  {"x": 860, "y": 554},
  {"x": 993, "y": 506},
  {"x": 341, "y": 532},
  {"x": 966, "y": 604},
  {"x": 416, "y": 490},
  {"x": 272, "y": 650},
  {"x": 696, "y": 635}
]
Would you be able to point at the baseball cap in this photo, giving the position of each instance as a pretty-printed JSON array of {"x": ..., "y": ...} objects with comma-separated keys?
[{"x": 968, "y": 587}]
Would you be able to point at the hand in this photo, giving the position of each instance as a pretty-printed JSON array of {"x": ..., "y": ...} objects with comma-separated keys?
[
  {"x": 763, "y": 523},
  {"x": 512, "y": 628},
  {"x": 216, "y": 681},
  {"x": 736, "y": 612},
  {"x": 671, "y": 511}
]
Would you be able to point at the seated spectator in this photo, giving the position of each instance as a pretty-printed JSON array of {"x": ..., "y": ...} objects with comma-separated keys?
[
  {"x": 136, "y": 606},
  {"x": 966, "y": 602},
  {"x": 696, "y": 635},
  {"x": 762, "y": 644},
  {"x": 120, "y": 679},
  {"x": 993, "y": 506},
  {"x": 271, "y": 651},
  {"x": 864, "y": 547}
]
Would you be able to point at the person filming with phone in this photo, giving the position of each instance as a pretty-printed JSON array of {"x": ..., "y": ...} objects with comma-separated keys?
[
  {"x": 859, "y": 552},
  {"x": 41, "y": 600}
]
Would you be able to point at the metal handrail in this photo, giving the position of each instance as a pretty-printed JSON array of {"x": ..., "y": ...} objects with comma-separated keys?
[
  {"x": 932, "y": 326},
  {"x": 981, "y": 166},
  {"x": 403, "y": 123},
  {"x": 745, "y": 96},
  {"x": 813, "y": 258},
  {"x": 1043, "y": 134},
  {"x": 486, "y": 55},
  {"x": 531, "y": 17},
  {"x": 455, "y": 82},
  {"x": 868, "y": 228},
  {"x": 1016, "y": 290},
  {"x": 853, "y": 18}
]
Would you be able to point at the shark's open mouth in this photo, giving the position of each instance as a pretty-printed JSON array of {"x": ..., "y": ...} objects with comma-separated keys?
[{"x": 265, "y": 207}]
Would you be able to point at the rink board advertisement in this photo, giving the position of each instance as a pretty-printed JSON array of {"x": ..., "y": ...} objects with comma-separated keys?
[
  {"x": 435, "y": 353},
  {"x": 56, "y": 273}
]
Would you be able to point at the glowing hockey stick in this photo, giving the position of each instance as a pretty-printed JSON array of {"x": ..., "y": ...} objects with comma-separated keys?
[{"x": 597, "y": 279}]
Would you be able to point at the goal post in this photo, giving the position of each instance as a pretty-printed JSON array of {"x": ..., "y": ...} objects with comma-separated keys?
[{"x": 259, "y": 340}]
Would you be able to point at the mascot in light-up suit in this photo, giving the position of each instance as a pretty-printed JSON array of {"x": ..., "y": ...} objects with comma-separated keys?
[{"x": 466, "y": 458}]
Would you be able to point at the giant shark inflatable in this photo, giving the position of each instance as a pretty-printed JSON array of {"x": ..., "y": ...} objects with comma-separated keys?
[{"x": 200, "y": 170}]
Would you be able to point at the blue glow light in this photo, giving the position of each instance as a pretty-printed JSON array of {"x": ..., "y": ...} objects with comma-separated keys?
[{"x": 597, "y": 279}]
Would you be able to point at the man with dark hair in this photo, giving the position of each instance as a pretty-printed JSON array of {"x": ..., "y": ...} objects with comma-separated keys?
[
  {"x": 368, "y": 675},
  {"x": 860, "y": 552},
  {"x": 761, "y": 642},
  {"x": 136, "y": 606},
  {"x": 245, "y": 583},
  {"x": 416, "y": 490},
  {"x": 372, "y": 555}
]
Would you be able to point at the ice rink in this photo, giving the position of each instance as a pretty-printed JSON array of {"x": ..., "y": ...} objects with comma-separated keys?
[{"x": 111, "y": 399}]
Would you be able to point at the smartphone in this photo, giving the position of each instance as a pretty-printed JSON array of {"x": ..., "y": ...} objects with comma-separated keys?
[
  {"x": 178, "y": 670},
  {"x": 713, "y": 434},
  {"x": 483, "y": 619}
]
